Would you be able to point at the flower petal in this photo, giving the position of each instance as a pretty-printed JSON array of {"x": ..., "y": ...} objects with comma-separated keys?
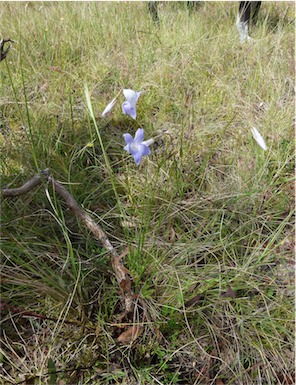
[
  {"x": 128, "y": 138},
  {"x": 136, "y": 97},
  {"x": 132, "y": 148},
  {"x": 148, "y": 142},
  {"x": 139, "y": 136},
  {"x": 127, "y": 148},
  {"x": 143, "y": 150},
  {"x": 259, "y": 139},
  {"x": 137, "y": 158},
  {"x": 146, "y": 150},
  {"x": 131, "y": 96},
  {"x": 129, "y": 110}
]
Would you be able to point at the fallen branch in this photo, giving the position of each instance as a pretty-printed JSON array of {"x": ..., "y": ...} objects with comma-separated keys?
[
  {"x": 26, "y": 187},
  {"x": 122, "y": 274},
  {"x": 3, "y": 52}
]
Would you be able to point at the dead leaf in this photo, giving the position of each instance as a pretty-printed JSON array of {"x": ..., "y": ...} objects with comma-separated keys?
[
  {"x": 193, "y": 301},
  {"x": 192, "y": 287},
  {"x": 55, "y": 68},
  {"x": 121, "y": 272},
  {"x": 172, "y": 236},
  {"x": 131, "y": 334},
  {"x": 123, "y": 254},
  {"x": 126, "y": 285},
  {"x": 228, "y": 293}
]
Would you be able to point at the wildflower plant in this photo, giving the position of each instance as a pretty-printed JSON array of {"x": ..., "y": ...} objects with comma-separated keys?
[
  {"x": 205, "y": 229},
  {"x": 136, "y": 146}
]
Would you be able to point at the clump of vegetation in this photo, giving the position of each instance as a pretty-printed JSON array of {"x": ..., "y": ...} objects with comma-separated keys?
[{"x": 203, "y": 223}]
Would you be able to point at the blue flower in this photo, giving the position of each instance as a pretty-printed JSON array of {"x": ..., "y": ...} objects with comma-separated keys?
[
  {"x": 137, "y": 147},
  {"x": 129, "y": 106}
]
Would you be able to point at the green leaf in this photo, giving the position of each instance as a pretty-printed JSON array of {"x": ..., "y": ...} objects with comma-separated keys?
[{"x": 52, "y": 371}]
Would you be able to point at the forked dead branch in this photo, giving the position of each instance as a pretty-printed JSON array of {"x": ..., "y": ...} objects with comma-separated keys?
[{"x": 122, "y": 274}]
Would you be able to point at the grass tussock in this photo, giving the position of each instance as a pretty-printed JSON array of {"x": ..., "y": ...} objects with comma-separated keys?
[{"x": 206, "y": 219}]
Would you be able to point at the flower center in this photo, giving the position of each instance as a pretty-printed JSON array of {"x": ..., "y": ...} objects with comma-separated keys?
[{"x": 135, "y": 146}]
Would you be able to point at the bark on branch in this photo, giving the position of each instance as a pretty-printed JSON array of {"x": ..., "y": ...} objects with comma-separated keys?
[{"x": 122, "y": 273}]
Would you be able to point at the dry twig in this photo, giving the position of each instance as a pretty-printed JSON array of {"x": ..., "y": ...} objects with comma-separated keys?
[{"x": 121, "y": 272}]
